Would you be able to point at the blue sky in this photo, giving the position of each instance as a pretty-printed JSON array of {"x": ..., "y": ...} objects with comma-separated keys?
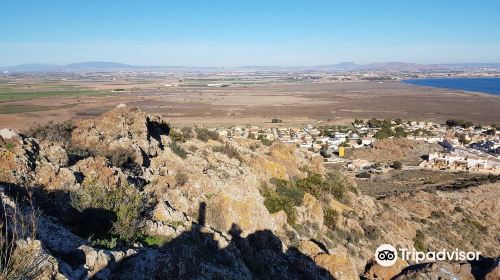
[{"x": 235, "y": 33}]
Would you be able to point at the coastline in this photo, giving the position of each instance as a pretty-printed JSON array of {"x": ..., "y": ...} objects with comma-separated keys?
[{"x": 454, "y": 88}]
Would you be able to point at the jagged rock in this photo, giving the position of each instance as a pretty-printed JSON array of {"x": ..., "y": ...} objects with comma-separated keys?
[
  {"x": 265, "y": 168},
  {"x": 60, "y": 241},
  {"x": 126, "y": 128},
  {"x": 285, "y": 156},
  {"x": 99, "y": 263},
  {"x": 259, "y": 244},
  {"x": 99, "y": 170},
  {"x": 198, "y": 254},
  {"x": 226, "y": 209},
  {"x": 310, "y": 248},
  {"x": 375, "y": 271},
  {"x": 39, "y": 264},
  {"x": 18, "y": 156},
  {"x": 310, "y": 215},
  {"x": 494, "y": 271},
  {"x": 339, "y": 265},
  {"x": 53, "y": 177},
  {"x": 165, "y": 213},
  {"x": 7, "y": 134},
  {"x": 54, "y": 153},
  {"x": 437, "y": 270}
]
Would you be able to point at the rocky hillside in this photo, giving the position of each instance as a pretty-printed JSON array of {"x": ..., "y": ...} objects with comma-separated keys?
[{"x": 127, "y": 196}]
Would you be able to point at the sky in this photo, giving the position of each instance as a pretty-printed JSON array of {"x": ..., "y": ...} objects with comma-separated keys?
[{"x": 243, "y": 33}]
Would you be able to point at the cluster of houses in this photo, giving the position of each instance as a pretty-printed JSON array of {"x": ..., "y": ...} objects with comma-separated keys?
[
  {"x": 472, "y": 149},
  {"x": 482, "y": 156}
]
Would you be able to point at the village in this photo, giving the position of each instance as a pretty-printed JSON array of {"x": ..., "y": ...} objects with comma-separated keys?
[{"x": 465, "y": 147}]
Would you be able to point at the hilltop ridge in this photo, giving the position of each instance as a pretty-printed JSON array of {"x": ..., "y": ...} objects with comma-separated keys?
[{"x": 128, "y": 196}]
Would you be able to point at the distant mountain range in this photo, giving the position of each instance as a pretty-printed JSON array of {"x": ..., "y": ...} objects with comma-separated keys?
[{"x": 100, "y": 66}]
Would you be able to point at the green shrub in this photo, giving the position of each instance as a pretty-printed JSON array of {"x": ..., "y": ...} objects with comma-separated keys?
[
  {"x": 400, "y": 132},
  {"x": 178, "y": 150},
  {"x": 155, "y": 241},
  {"x": 419, "y": 241},
  {"x": 330, "y": 217},
  {"x": 312, "y": 184},
  {"x": 204, "y": 134},
  {"x": 266, "y": 142},
  {"x": 292, "y": 192},
  {"x": 10, "y": 146},
  {"x": 263, "y": 139},
  {"x": 384, "y": 133},
  {"x": 318, "y": 186},
  {"x": 108, "y": 243},
  {"x": 462, "y": 123},
  {"x": 124, "y": 201},
  {"x": 364, "y": 175},
  {"x": 176, "y": 136},
  {"x": 275, "y": 202},
  {"x": 228, "y": 150}
]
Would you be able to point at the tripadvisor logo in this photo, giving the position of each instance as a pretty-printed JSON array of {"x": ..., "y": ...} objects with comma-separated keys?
[{"x": 387, "y": 255}]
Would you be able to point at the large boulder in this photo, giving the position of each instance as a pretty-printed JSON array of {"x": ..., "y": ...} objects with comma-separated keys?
[
  {"x": 99, "y": 170},
  {"x": 339, "y": 265},
  {"x": 52, "y": 177},
  {"x": 18, "y": 157},
  {"x": 123, "y": 128},
  {"x": 54, "y": 153}
]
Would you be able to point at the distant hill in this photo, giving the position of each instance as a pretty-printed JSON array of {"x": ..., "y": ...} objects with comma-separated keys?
[
  {"x": 97, "y": 65},
  {"x": 344, "y": 66},
  {"x": 81, "y": 66}
]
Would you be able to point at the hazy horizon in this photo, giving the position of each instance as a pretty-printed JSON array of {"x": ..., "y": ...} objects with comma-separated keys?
[
  {"x": 242, "y": 66},
  {"x": 228, "y": 34}
]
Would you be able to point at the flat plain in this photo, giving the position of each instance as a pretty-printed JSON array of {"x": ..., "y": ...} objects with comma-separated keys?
[{"x": 29, "y": 100}]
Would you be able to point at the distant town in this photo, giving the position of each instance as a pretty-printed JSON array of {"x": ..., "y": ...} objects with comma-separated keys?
[{"x": 465, "y": 147}]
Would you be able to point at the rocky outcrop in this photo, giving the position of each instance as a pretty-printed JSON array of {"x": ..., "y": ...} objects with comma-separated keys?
[
  {"x": 18, "y": 156},
  {"x": 208, "y": 209},
  {"x": 375, "y": 271},
  {"x": 123, "y": 128}
]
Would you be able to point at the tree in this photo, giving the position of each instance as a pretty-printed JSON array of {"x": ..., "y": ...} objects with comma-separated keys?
[
  {"x": 462, "y": 140},
  {"x": 358, "y": 122}
]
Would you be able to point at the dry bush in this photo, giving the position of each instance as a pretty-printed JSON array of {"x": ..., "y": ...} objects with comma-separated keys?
[
  {"x": 228, "y": 150},
  {"x": 178, "y": 150},
  {"x": 53, "y": 132},
  {"x": 330, "y": 218},
  {"x": 181, "y": 179},
  {"x": 19, "y": 260},
  {"x": 204, "y": 134}
]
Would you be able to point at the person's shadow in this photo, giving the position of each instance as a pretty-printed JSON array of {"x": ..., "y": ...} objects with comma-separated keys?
[{"x": 200, "y": 254}]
